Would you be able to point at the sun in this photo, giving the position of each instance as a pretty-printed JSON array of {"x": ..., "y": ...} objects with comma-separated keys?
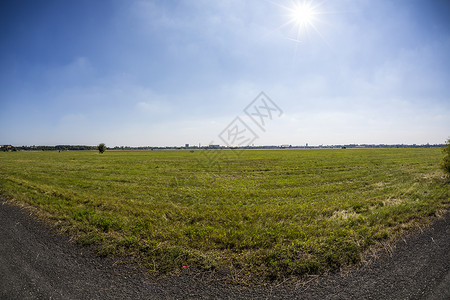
[
  {"x": 303, "y": 20},
  {"x": 303, "y": 15}
]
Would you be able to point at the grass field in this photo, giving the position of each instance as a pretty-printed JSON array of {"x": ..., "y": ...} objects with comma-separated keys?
[{"x": 266, "y": 214}]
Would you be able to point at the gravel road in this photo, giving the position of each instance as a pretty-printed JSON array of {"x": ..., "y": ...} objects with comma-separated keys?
[{"x": 36, "y": 263}]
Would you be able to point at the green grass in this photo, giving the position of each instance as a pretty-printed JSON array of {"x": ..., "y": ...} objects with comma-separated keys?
[{"x": 266, "y": 214}]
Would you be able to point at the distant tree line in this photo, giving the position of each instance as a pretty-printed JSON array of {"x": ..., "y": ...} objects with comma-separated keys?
[
  {"x": 56, "y": 148},
  {"x": 7, "y": 148},
  {"x": 207, "y": 147}
]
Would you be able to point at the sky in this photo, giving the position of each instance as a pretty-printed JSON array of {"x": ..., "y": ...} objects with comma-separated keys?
[{"x": 168, "y": 73}]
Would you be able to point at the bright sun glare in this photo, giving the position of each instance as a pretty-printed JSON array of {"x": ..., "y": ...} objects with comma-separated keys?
[
  {"x": 303, "y": 14},
  {"x": 302, "y": 17}
]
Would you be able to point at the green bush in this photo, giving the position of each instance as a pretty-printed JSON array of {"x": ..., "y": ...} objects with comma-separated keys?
[{"x": 101, "y": 148}]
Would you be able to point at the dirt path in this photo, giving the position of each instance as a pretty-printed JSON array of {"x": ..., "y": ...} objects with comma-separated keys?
[{"x": 38, "y": 264}]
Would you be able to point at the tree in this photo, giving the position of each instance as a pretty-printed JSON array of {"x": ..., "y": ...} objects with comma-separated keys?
[
  {"x": 446, "y": 160},
  {"x": 101, "y": 148}
]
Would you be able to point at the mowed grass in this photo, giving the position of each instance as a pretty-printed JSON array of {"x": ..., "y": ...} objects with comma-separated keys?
[{"x": 263, "y": 214}]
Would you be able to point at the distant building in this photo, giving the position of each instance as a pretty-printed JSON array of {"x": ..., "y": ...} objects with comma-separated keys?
[
  {"x": 214, "y": 146},
  {"x": 187, "y": 145}
]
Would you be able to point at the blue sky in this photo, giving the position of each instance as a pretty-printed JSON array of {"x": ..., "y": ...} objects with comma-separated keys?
[{"x": 166, "y": 73}]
